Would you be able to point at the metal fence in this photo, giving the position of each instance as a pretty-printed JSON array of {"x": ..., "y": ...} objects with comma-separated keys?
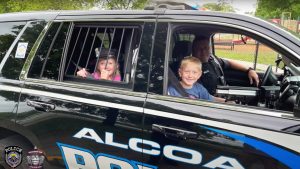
[{"x": 287, "y": 22}]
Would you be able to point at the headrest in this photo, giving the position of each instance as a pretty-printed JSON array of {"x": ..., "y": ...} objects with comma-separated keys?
[{"x": 182, "y": 49}]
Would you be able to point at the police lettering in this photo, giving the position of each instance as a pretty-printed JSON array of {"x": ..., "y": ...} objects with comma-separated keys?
[
  {"x": 135, "y": 144},
  {"x": 79, "y": 158},
  {"x": 13, "y": 148}
]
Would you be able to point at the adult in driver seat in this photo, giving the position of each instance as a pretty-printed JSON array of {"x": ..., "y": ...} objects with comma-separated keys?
[{"x": 212, "y": 67}]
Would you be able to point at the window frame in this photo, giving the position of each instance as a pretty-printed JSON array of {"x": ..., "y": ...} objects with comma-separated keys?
[
  {"x": 79, "y": 82},
  {"x": 105, "y": 83},
  {"x": 260, "y": 36}
]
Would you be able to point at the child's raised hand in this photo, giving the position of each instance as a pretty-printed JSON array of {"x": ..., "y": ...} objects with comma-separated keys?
[
  {"x": 82, "y": 73},
  {"x": 104, "y": 74}
]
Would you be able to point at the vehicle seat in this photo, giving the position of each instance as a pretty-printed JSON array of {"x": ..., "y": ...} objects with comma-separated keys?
[
  {"x": 174, "y": 82},
  {"x": 181, "y": 49}
]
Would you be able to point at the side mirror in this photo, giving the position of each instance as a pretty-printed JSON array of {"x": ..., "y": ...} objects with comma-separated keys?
[{"x": 277, "y": 61}]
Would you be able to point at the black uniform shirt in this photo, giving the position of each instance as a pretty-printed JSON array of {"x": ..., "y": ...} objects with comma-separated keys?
[{"x": 212, "y": 75}]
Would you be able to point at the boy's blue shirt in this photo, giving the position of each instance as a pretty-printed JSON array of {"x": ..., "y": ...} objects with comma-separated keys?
[{"x": 198, "y": 91}]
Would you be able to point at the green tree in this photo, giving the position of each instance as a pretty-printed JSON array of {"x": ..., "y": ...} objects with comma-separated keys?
[
  {"x": 32, "y": 5},
  {"x": 35, "y": 5},
  {"x": 125, "y": 4},
  {"x": 3, "y": 6},
  {"x": 273, "y": 8},
  {"x": 222, "y": 5}
]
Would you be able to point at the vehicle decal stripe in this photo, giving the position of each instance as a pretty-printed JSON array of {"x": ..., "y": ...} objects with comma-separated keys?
[
  {"x": 10, "y": 88},
  {"x": 288, "y": 158},
  {"x": 72, "y": 98},
  {"x": 283, "y": 139},
  {"x": 232, "y": 107},
  {"x": 83, "y": 100}
]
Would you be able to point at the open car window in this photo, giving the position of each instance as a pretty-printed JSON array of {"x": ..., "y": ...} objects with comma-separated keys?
[
  {"x": 94, "y": 44},
  {"x": 248, "y": 49},
  {"x": 70, "y": 47}
]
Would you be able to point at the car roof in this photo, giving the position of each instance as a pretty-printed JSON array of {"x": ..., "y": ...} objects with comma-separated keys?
[
  {"x": 149, "y": 14},
  {"x": 161, "y": 13},
  {"x": 27, "y": 16},
  {"x": 107, "y": 12}
]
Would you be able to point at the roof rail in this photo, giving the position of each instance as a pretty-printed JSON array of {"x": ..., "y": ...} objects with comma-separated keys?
[
  {"x": 169, "y": 5},
  {"x": 165, "y": 6}
]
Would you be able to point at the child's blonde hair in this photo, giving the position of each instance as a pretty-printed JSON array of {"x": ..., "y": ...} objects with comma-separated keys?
[{"x": 190, "y": 59}]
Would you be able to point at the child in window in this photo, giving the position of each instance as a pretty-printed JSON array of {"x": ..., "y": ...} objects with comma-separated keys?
[
  {"x": 190, "y": 72},
  {"x": 107, "y": 68}
]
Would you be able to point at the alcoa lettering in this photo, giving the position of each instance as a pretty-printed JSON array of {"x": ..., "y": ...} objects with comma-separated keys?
[{"x": 84, "y": 157}]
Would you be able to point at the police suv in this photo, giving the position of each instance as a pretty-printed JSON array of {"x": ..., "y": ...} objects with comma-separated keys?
[{"x": 52, "y": 118}]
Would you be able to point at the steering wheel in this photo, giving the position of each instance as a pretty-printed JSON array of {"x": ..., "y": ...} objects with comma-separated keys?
[{"x": 266, "y": 76}]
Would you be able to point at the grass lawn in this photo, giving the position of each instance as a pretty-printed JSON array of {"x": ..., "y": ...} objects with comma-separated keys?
[{"x": 247, "y": 52}]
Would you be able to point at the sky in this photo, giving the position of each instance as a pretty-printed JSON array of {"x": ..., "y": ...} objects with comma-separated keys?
[{"x": 240, "y": 6}]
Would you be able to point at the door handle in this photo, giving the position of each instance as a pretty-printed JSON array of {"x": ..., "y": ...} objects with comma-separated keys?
[
  {"x": 40, "y": 106},
  {"x": 172, "y": 132}
]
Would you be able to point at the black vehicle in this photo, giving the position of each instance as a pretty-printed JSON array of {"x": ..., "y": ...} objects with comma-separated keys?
[{"x": 68, "y": 121}]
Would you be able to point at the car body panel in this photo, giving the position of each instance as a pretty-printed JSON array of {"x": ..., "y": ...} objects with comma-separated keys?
[
  {"x": 28, "y": 16},
  {"x": 76, "y": 109}
]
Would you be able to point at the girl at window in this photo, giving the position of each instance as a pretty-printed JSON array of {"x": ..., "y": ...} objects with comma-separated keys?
[{"x": 107, "y": 68}]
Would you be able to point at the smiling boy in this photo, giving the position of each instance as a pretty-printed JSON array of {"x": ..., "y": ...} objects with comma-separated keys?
[{"x": 189, "y": 73}]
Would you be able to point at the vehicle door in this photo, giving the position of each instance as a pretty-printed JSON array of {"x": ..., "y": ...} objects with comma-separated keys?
[
  {"x": 9, "y": 99},
  {"x": 17, "y": 39},
  {"x": 82, "y": 122},
  {"x": 188, "y": 133}
]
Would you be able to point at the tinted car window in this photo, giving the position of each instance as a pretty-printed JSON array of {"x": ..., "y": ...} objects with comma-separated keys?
[
  {"x": 47, "y": 60},
  {"x": 8, "y": 33},
  {"x": 14, "y": 64}
]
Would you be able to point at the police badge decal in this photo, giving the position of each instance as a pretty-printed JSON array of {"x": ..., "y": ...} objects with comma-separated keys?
[
  {"x": 13, "y": 156},
  {"x": 35, "y": 158}
]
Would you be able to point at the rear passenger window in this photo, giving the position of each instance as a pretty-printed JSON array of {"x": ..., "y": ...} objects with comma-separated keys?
[
  {"x": 102, "y": 52},
  {"x": 8, "y": 33},
  {"x": 88, "y": 53}
]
